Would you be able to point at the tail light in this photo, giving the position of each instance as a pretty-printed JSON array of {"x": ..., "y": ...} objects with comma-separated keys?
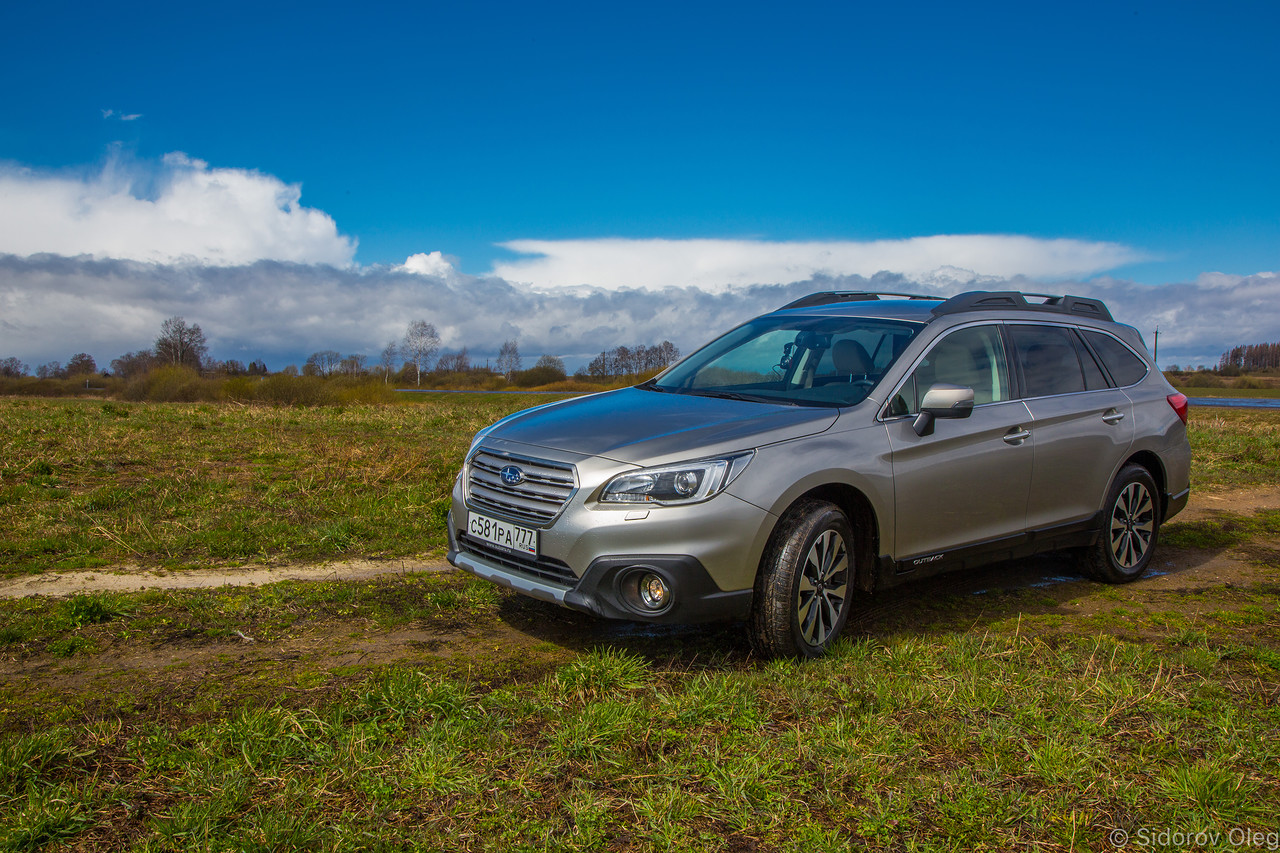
[{"x": 1179, "y": 403}]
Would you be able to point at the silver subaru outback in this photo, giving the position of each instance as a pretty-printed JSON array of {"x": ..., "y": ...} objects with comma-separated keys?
[{"x": 846, "y": 442}]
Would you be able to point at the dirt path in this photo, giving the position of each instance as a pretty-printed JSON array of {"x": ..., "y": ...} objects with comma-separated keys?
[{"x": 135, "y": 578}]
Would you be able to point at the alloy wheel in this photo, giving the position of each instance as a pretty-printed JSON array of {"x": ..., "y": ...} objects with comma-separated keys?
[
  {"x": 824, "y": 584},
  {"x": 1132, "y": 525}
]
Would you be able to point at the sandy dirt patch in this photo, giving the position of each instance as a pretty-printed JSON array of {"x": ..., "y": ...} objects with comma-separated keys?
[{"x": 136, "y": 578}]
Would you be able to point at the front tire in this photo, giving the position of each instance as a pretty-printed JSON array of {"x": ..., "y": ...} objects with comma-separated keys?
[
  {"x": 804, "y": 586},
  {"x": 1130, "y": 528}
]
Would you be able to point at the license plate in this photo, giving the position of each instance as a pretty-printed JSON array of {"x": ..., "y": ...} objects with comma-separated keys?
[{"x": 504, "y": 535}]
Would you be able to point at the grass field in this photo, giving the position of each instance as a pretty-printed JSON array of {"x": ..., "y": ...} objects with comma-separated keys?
[
  {"x": 87, "y": 484},
  {"x": 437, "y": 712}
]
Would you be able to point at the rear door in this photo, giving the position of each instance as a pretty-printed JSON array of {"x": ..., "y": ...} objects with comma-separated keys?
[{"x": 1082, "y": 427}]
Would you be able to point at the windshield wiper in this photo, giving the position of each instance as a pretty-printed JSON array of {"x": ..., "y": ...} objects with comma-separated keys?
[{"x": 738, "y": 395}]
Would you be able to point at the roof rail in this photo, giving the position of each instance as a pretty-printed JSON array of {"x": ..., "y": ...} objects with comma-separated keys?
[
  {"x": 985, "y": 300},
  {"x": 831, "y": 297}
]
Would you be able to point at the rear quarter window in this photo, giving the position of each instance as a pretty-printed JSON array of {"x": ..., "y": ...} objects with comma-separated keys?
[{"x": 1125, "y": 367}]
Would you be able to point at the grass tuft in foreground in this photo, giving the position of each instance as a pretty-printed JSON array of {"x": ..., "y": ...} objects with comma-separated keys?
[{"x": 1032, "y": 730}]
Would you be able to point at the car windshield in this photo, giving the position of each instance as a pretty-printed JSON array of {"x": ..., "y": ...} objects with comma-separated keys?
[{"x": 793, "y": 360}]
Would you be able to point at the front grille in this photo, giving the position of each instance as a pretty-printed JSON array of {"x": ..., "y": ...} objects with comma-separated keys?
[
  {"x": 547, "y": 486},
  {"x": 547, "y": 569}
]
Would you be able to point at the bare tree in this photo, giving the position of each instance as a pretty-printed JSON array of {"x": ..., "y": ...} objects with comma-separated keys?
[
  {"x": 354, "y": 364},
  {"x": 181, "y": 344},
  {"x": 458, "y": 362},
  {"x": 420, "y": 344},
  {"x": 390, "y": 354},
  {"x": 322, "y": 363},
  {"x": 509, "y": 359},
  {"x": 133, "y": 364},
  {"x": 51, "y": 370},
  {"x": 12, "y": 368},
  {"x": 553, "y": 363}
]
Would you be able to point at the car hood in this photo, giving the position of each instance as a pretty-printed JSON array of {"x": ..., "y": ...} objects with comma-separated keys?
[{"x": 650, "y": 427}]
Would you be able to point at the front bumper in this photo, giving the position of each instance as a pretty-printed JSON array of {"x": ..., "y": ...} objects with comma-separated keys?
[
  {"x": 607, "y": 587},
  {"x": 604, "y": 589}
]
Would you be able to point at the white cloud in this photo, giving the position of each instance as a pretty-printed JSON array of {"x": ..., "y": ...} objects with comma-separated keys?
[
  {"x": 434, "y": 263},
  {"x": 718, "y": 265},
  {"x": 179, "y": 210}
]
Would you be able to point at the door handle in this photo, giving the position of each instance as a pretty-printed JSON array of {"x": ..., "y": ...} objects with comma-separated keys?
[
  {"x": 1111, "y": 416},
  {"x": 1016, "y": 436}
]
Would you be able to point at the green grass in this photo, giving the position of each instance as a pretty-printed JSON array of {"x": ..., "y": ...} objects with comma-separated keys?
[
  {"x": 955, "y": 740},
  {"x": 1023, "y": 719},
  {"x": 269, "y": 613},
  {"x": 1222, "y": 530},
  {"x": 85, "y": 484},
  {"x": 1234, "y": 448}
]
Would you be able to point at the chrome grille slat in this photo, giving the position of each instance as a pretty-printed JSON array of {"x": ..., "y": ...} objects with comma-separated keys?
[
  {"x": 513, "y": 495},
  {"x": 495, "y": 482},
  {"x": 552, "y": 472},
  {"x": 546, "y": 488}
]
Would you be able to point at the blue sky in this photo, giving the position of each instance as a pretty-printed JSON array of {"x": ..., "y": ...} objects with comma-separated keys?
[{"x": 460, "y": 128}]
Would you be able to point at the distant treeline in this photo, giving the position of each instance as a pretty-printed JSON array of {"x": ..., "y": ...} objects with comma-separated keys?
[
  {"x": 631, "y": 361},
  {"x": 1251, "y": 357},
  {"x": 178, "y": 368},
  {"x": 402, "y": 362}
]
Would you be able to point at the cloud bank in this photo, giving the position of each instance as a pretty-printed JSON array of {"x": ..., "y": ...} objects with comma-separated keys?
[
  {"x": 720, "y": 265},
  {"x": 52, "y": 307},
  {"x": 179, "y": 210},
  {"x": 96, "y": 262}
]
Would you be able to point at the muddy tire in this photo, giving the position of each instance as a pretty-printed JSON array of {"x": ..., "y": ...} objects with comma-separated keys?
[
  {"x": 805, "y": 584},
  {"x": 1130, "y": 528}
]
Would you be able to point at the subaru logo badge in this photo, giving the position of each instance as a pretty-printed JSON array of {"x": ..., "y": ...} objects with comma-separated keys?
[{"x": 511, "y": 475}]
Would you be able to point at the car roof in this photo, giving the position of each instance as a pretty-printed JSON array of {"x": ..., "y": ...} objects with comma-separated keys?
[
  {"x": 911, "y": 310},
  {"x": 924, "y": 309}
]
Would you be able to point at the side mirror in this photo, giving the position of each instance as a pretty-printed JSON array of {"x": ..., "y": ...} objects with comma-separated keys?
[{"x": 942, "y": 401}]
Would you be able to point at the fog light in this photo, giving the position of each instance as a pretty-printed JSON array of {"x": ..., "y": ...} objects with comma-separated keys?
[{"x": 654, "y": 593}]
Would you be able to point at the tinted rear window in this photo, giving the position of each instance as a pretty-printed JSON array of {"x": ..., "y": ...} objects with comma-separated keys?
[
  {"x": 1047, "y": 355},
  {"x": 1125, "y": 367}
]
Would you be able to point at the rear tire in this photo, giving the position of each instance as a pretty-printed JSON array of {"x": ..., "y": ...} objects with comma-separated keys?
[
  {"x": 803, "y": 591},
  {"x": 1130, "y": 528}
]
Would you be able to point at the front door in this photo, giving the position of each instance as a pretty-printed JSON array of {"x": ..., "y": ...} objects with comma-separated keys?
[{"x": 966, "y": 483}]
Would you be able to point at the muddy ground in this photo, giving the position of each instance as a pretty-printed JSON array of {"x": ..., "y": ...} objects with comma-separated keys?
[{"x": 524, "y": 637}]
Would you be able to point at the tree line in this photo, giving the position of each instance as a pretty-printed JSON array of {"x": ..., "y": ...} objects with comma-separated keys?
[
  {"x": 631, "y": 361},
  {"x": 1251, "y": 357},
  {"x": 405, "y": 360}
]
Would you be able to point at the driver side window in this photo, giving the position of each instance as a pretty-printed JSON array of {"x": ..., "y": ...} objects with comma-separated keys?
[{"x": 972, "y": 357}]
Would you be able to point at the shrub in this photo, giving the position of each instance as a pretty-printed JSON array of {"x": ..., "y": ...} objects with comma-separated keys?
[
  {"x": 172, "y": 384},
  {"x": 536, "y": 376},
  {"x": 294, "y": 390}
]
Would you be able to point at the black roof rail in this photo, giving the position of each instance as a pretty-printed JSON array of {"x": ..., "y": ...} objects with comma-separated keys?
[
  {"x": 831, "y": 297},
  {"x": 987, "y": 300}
]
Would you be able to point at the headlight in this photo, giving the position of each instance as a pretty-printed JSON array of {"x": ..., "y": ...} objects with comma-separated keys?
[{"x": 686, "y": 483}]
